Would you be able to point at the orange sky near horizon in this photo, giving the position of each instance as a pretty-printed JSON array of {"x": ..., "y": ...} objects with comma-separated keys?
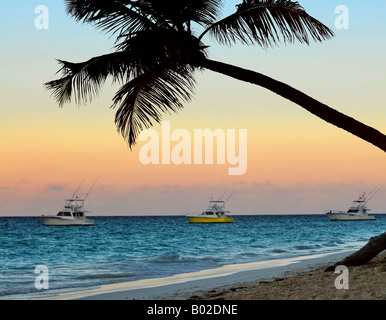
[
  {"x": 44, "y": 155},
  {"x": 295, "y": 161}
]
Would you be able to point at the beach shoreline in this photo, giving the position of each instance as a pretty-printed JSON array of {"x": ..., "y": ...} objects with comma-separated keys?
[{"x": 281, "y": 279}]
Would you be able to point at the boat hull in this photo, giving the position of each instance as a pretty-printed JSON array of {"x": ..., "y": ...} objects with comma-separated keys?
[
  {"x": 201, "y": 219},
  {"x": 63, "y": 221},
  {"x": 348, "y": 217}
]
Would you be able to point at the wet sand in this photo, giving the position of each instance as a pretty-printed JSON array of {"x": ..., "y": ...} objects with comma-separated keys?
[{"x": 367, "y": 282}]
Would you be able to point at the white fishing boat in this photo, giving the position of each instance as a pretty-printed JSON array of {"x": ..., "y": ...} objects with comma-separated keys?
[
  {"x": 214, "y": 213},
  {"x": 357, "y": 212},
  {"x": 72, "y": 214}
]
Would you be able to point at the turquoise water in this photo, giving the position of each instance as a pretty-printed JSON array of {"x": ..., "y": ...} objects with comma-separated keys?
[{"x": 129, "y": 248}]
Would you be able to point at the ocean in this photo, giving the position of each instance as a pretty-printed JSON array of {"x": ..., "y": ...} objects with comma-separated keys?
[{"x": 127, "y": 248}]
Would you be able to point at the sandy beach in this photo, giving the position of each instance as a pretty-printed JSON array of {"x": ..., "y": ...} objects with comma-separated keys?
[
  {"x": 299, "y": 278},
  {"x": 367, "y": 282}
]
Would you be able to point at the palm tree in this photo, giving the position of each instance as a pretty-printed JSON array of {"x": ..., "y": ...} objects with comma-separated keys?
[{"x": 158, "y": 49}]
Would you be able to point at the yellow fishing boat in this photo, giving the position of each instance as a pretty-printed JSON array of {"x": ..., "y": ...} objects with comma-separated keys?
[{"x": 214, "y": 213}]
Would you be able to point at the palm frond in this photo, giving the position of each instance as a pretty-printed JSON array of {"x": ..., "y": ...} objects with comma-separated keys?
[
  {"x": 145, "y": 98},
  {"x": 61, "y": 89},
  {"x": 178, "y": 12},
  {"x": 203, "y": 12},
  {"x": 112, "y": 15},
  {"x": 267, "y": 22},
  {"x": 84, "y": 80}
]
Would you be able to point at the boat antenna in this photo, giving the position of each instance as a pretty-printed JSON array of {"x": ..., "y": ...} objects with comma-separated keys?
[
  {"x": 91, "y": 188},
  {"x": 77, "y": 188}
]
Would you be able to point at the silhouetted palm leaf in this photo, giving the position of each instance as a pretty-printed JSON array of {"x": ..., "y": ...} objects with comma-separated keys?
[
  {"x": 176, "y": 13},
  {"x": 161, "y": 87},
  {"x": 84, "y": 80},
  {"x": 266, "y": 22},
  {"x": 112, "y": 15}
]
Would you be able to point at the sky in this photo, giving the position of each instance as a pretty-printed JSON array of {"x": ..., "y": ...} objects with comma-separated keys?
[{"x": 295, "y": 163}]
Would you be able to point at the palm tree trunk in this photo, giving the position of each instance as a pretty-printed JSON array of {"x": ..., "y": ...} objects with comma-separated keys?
[
  {"x": 365, "y": 254},
  {"x": 319, "y": 109}
]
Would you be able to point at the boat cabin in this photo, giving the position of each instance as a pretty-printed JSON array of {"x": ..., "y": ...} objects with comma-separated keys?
[
  {"x": 76, "y": 214},
  {"x": 213, "y": 213},
  {"x": 64, "y": 214}
]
